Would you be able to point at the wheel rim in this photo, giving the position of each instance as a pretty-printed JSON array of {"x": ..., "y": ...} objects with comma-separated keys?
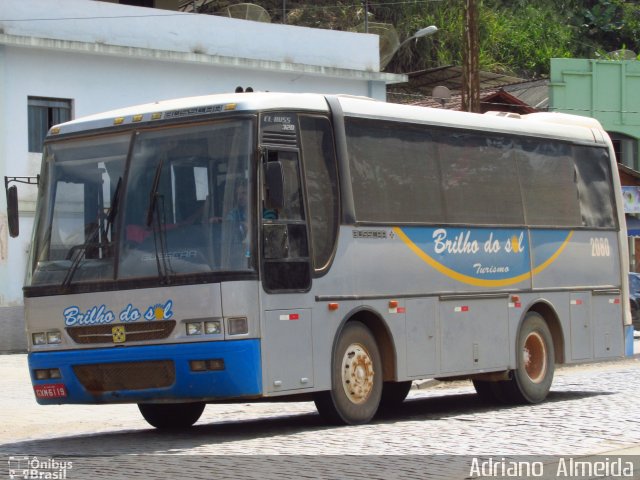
[
  {"x": 357, "y": 373},
  {"x": 535, "y": 357}
]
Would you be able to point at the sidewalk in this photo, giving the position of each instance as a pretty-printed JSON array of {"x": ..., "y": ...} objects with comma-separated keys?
[{"x": 635, "y": 450}]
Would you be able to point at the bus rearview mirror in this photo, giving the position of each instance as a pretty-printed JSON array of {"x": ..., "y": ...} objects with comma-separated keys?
[
  {"x": 12, "y": 211},
  {"x": 274, "y": 180}
]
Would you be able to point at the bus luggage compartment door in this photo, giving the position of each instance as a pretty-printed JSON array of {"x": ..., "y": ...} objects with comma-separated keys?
[
  {"x": 422, "y": 332},
  {"x": 608, "y": 327},
  {"x": 580, "y": 325},
  {"x": 288, "y": 350},
  {"x": 474, "y": 333}
]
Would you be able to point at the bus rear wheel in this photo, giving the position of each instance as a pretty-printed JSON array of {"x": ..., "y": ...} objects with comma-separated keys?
[
  {"x": 533, "y": 375},
  {"x": 171, "y": 415},
  {"x": 356, "y": 378}
]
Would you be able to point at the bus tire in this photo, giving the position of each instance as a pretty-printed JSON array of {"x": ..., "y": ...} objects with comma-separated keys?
[
  {"x": 356, "y": 378},
  {"x": 171, "y": 415},
  {"x": 533, "y": 375},
  {"x": 394, "y": 393}
]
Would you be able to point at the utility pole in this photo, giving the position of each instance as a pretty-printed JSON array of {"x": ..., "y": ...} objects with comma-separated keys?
[{"x": 471, "y": 54}]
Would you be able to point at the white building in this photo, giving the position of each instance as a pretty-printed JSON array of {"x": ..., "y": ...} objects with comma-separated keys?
[{"x": 64, "y": 59}]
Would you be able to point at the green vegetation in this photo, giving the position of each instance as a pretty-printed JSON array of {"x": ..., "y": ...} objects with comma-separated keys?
[{"x": 516, "y": 36}]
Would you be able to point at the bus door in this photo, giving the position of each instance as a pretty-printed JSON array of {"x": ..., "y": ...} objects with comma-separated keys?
[{"x": 285, "y": 269}]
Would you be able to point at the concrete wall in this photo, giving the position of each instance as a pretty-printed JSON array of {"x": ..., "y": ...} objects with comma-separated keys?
[
  {"x": 113, "y": 24},
  {"x": 104, "y": 56}
]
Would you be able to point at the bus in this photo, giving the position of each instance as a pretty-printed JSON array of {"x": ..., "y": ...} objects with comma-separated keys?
[{"x": 269, "y": 246}]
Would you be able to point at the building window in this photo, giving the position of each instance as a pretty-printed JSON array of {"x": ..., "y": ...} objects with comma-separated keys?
[
  {"x": 43, "y": 114},
  {"x": 626, "y": 149}
]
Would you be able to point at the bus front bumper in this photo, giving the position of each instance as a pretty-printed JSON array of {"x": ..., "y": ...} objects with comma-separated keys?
[{"x": 205, "y": 371}]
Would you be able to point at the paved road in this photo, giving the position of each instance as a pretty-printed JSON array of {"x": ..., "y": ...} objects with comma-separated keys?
[{"x": 591, "y": 410}]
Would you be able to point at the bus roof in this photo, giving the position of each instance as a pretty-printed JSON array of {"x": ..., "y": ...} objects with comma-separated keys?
[
  {"x": 554, "y": 125},
  {"x": 194, "y": 106}
]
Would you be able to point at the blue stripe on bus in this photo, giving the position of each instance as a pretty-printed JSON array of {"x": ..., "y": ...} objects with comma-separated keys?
[{"x": 242, "y": 376}]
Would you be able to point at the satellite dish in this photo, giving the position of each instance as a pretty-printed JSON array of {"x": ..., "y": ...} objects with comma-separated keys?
[
  {"x": 389, "y": 41},
  {"x": 441, "y": 93},
  {"x": 622, "y": 55},
  {"x": 246, "y": 11}
]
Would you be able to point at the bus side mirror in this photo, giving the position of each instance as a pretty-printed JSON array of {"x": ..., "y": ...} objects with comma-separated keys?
[
  {"x": 12, "y": 211},
  {"x": 274, "y": 181}
]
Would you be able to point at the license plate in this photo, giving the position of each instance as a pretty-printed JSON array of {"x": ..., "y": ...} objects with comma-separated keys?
[{"x": 50, "y": 390}]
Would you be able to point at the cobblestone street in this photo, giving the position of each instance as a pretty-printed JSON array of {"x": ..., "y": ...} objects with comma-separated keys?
[{"x": 592, "y": 409}]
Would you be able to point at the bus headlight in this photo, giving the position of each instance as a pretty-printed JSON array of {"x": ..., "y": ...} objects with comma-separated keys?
[
  {"x": 194, "y": 328},
  {"x": 47, "y": 374},
  {"x": 207, "y": 365},
  {"x": 52, "y": 337},
  {"x": 213, "y": 327},
  {"x": 209, "y": 326}
]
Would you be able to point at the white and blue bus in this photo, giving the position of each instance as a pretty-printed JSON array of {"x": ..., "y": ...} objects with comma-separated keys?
[{"x": 264, "y": 245}]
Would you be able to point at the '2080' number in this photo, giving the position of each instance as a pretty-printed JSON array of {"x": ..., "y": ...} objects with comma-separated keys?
[{"x": 600, "y": 247}]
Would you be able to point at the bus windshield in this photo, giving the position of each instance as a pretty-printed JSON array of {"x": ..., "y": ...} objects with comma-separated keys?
[{"x": 182, "y": 207}]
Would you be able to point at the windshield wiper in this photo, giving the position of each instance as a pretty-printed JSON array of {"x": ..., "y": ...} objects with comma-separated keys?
[
  {"x": 80, "y": 250},
  {"x": 153, "y": 194},
  {"x": 159, "y": 239},
  {"x": 113, "y": 210}
]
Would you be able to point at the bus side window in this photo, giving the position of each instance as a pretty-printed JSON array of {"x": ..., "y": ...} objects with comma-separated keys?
[{"x": 321, "y": 183}]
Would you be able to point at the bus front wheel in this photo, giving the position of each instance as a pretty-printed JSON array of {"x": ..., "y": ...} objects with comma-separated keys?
[
  {"x": 171, "y": 415},
  {"x": 356, "y": 378}
]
